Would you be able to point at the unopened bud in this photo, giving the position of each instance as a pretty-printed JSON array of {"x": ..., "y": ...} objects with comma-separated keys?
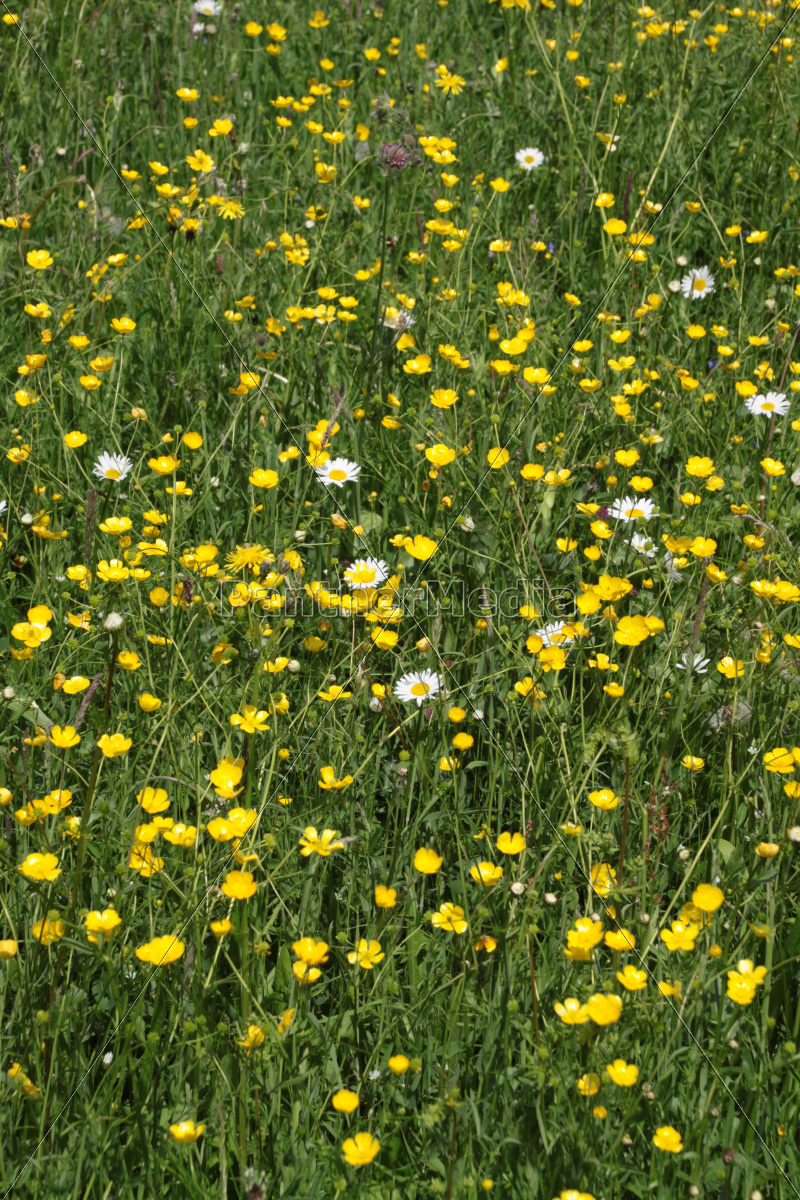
[{"x": 113, "y": 622}]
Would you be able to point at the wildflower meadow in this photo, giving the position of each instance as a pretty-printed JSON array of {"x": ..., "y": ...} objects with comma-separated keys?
[{"x": 399, "y": 536}]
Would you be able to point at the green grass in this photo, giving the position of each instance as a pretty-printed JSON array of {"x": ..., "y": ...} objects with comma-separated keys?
[{"x": 114, "y": 1049}]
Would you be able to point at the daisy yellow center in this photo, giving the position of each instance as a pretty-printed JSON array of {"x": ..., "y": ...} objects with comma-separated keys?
[
  {"x": 420, "y": 689},
  {"x": 112, "y": 473},
  {"x": 337, "y": 474},
  {"x": 364, "y": 574},
  {"x": 699, "y": 285},
  {"x": 635, "y": 512},
  {"x": 767, "y": 406}
]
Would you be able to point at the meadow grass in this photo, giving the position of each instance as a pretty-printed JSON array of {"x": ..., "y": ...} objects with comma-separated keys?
[{"x": 400, "y": 586}]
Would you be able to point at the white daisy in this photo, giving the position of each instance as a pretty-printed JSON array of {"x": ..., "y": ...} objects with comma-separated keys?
[
  {"x": 208, "y": 8},
  {"x": 417, "y": 685},
  {"x": 695, "y": 663},
  {"x": 3, "y": 506},
  {"x": 552, "y": 634},
  {"x": 398, "y": 320},
  {"x": 632, "y": 508},
  {"x": 529, "y": 159},
  {"x": 697, "y": 284},
  {"x": 643, "y": 545},
  {"x": 773, "y": 404},
  {"x": 339, "y": 471},
  {"x": 366, "y": 573},
  {"x": 112, "y": 466},
  {"x": 672, "y": 573}
]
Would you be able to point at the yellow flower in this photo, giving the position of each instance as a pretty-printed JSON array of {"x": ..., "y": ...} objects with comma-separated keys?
[
  {"x": 572, "y": 1012},
  {"x": 420, "y": 365},
  {"x": 603, "y": 876},
  {"x": 239, "y": 885},
  {"x": 367, "y": 954},
  {"x": 8, "y": 949},
  {"x": 221, "y": 928},
  {"x": 420, "y": 547},
  {"x": 450, "y": 917},
  {"x": 620, "y": 939},
  {"x": 49, "y": 929},
  {"x": 310, "y": 951},
  {"x": 427, "y": 862},
  {"x": 186, "y": 1131},
  {"x": 589, "y": 1085},
  {"x": 604, "y": 799},
  {"x": 731, "y": 668},
  {"x": 43, "y": 868},
  {"x": 164, "y": 465},
  {"x": 667, "y": 1138},
  {"x": 264, "y": 479},
  {"x": 321, "y": 844},
  {"x": 486, "y": 873},
  {"x": 160, "y": 952},
  {"x": 345, "y": 1101},
  {"x": 39, "y": 259},
  {"x": 254, "y": 1038},
  {"x": 360, "y": 1150},
  {"x": 329, "y": 781},
  {"x": 398, "y": 1064},
  {"x": 443, "y": 397},
  {"x": 497, "y": 457},
  {"x": 631, "y": 978},
  {"x": 385, "y": 897},
  {"x": 680, "y": 937},
  {"x": 251, "y": 720},
  {"x": 604, "y": 1009},
  {"x": 700, "y": 467},
  {"x": 510, "y": 843},
  {"x": 114, "y": 745},
  {"x": 123, "y": 325},
  {"x": 622, "y": 1073},
  {"x": 105, "y": 922},
  {"x": 64, "y": 738},
  {"x": 707, "y": 897}
]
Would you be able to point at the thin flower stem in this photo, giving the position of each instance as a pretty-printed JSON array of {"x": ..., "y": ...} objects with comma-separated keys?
[{"x": 376, "y": 321}]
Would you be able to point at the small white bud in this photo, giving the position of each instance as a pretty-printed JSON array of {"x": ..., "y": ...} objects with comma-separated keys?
[
  {"x": 293, "y": 666},
  {"x": 113, "y": 622}
]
